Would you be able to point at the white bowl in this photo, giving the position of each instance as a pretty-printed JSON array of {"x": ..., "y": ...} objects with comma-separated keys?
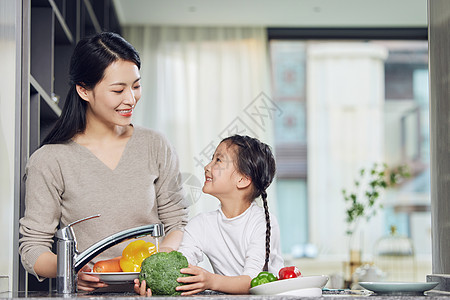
[{"x": 292, "y": 284}]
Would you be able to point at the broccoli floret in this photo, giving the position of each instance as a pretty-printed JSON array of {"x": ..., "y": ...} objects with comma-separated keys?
[{"x": 161, "y": 270}]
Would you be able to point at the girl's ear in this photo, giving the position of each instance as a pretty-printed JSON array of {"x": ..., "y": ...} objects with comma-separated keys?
[
  {"x": 83, "y": 92},
  {"x": 243, "y": 182}
]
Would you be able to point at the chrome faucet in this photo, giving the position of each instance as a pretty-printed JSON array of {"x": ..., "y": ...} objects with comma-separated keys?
[{"x": 69, "y": 261}]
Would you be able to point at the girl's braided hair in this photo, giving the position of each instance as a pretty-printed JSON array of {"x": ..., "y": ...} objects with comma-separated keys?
[{"x": 255, "y": 160}]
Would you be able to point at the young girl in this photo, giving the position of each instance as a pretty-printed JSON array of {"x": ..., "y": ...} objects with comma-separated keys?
[{"x": 240, "y": 239}]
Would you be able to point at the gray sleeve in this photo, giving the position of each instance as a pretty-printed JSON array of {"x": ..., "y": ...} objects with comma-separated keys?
[
  {"x": 42, "y": 209},
  {"x": 170, "y": 197}
]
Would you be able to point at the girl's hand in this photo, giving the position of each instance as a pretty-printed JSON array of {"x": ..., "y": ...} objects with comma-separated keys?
[
  {"x": 140, "y": 288},
  {"x": 88, "y": 282},
  {"x": 199, "y": 281},
  {"x": 165, "y": 249}
]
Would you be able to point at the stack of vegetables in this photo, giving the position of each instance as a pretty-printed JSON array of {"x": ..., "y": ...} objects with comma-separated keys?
[
  {"x": 159, "y": 270},
  {"x": 284, "y": 273},
  {"x": 132, "y": 257}
]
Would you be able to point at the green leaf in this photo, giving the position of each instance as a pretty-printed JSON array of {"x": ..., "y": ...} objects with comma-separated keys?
[
  {"x": 369, "y": 184},
  {"x": 393, "y": 178}
]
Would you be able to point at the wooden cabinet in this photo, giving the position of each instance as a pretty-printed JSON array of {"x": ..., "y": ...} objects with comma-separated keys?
[{"x": 50, "y": 31}]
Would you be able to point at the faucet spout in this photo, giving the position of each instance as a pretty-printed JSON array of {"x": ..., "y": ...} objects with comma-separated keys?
[
  {"x": 155, "y": 230},
  {"x": 69, "y": 261}
]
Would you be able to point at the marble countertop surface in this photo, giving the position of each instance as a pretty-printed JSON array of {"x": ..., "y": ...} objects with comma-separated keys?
[{"x": 326, "y": 294}]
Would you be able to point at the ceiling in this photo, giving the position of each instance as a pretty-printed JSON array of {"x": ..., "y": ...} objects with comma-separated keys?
[{"x": 274, "y": 13}]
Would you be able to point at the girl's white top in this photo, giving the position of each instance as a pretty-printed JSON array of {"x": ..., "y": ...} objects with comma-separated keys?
[{"x": 234, "y": 246}]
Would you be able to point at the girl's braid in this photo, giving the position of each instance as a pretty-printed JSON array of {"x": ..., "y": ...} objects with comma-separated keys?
[{"x": 266, "y": 210}]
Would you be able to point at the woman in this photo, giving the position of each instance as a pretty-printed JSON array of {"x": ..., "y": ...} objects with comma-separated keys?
[{"x": 95, "y": 161}]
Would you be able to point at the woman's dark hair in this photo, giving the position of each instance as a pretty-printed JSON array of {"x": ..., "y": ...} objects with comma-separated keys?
[
  {"x": 255, "y": 160},
  {"x": 92, "y": 55}
]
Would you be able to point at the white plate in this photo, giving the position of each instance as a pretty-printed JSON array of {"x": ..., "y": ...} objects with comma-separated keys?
[
  {"x": 115, "y": 277},
  {"x": 398, "y": 287},
  {"x": 288, "y": 285}
]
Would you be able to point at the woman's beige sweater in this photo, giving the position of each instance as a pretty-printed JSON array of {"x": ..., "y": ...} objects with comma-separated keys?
[{"x": 67, "y": 182}]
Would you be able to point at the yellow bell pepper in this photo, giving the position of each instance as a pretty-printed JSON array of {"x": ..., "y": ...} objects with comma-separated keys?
[{"x": 134, "y": 254}]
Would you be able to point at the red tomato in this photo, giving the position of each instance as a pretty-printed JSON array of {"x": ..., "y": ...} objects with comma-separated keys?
[{"x": 289, "y": 272}]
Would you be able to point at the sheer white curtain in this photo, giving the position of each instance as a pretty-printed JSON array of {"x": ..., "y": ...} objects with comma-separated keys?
[{"x": 200, "y": 85}]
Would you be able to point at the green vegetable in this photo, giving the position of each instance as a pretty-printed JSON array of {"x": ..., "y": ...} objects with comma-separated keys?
[
  {"x": 263, "y": 277},
  {"x": 161, "y": 270}
]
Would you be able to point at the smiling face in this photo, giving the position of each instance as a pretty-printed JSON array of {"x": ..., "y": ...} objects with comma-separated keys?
[
  {"x": 221, "y": 176},
  {"x": 113, "y": 99}
]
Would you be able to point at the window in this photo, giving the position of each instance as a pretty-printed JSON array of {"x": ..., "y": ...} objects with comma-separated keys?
[{"x": 346, "y": 105}]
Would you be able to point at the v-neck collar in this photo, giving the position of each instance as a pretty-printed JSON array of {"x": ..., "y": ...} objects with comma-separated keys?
[{"x": 122, "y": 157}]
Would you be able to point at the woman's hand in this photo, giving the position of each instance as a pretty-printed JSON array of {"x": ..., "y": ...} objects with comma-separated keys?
[
  {"x": 140, "y": 288},
  {"x": 88, "y": 282},
  {"x": 199, "y": 281}
]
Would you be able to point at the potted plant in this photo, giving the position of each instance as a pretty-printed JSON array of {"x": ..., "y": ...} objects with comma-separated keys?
[{"x": 362, "y": 202}]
